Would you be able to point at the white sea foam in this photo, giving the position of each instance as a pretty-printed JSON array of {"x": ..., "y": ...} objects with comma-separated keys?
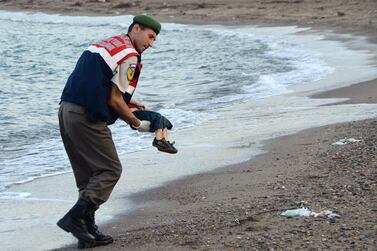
[
  {"x": 183, "y": 119},
  {"x": 13, "y": 195}
]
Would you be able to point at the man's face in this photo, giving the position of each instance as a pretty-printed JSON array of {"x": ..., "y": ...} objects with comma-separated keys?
[{"x": 143, "y": 38}]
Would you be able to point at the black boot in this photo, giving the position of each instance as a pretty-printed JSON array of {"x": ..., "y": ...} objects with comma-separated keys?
[
  {"x": 101, "y": 239},
  {"x": 74, "y": 222}
]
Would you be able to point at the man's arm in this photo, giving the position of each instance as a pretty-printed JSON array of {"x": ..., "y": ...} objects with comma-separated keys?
[
  {"x": 117, "y": 103},
  {"x": 121, "y": 80}
]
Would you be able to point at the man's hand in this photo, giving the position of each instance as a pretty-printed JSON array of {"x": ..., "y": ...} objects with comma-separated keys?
[{"x": 144, "y": 126}]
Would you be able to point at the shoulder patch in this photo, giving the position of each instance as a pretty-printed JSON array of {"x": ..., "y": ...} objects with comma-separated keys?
[{"x": 131, "y": 72}]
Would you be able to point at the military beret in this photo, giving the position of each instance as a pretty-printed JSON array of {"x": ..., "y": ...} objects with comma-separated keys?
[{"x": 148, "y": 22}]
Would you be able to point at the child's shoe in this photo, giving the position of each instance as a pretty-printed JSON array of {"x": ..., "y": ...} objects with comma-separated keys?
[{"x": 164, "y": 146}]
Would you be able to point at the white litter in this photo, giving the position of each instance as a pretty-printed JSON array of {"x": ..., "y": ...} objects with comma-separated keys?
[
  {"x": 303, "y": 211},
  {"x": 346, "y": 141}
]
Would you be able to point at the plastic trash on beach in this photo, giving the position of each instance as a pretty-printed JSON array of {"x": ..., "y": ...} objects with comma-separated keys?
[
  {"x": 303, "y": 211},
  {"x": 346, "y": 141}
]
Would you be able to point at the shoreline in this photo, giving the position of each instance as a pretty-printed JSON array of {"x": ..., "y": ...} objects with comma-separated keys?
[
  {"x": 364, "y": 92},
  {"x": 163, "y": 232},
  {"x": 355, "y": 18},
  {"x": 200, "y": 211},
  {"x": 233, "y": 207},
  {"x": 332, "y": 14}
]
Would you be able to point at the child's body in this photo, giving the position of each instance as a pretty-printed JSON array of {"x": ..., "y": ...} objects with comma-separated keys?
[{"x": 159, "y": 125}]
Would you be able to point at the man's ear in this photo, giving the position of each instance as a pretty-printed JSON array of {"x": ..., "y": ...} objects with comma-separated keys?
[{"x": 137, "y": 28}]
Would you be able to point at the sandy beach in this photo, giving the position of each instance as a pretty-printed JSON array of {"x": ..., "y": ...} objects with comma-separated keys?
[
  {"x": 238, "y": 207},
  {"x": 351, "y": 15}
]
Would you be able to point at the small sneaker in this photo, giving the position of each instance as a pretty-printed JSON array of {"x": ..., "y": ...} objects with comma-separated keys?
[
  {"x": 171, "y": 143},
  {"x": 164, "y": 146}
]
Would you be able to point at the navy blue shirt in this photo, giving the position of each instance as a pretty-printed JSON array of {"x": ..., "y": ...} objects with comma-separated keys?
[{"x": 89, "y": 85}]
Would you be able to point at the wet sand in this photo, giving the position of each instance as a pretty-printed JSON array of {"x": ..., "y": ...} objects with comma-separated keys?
[
  {"x": 237, "y": 207},
  {"x": 359, "y": 93}
]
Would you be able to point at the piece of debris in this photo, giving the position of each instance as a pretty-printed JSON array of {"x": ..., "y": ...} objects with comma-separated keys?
[
  {"x": 304, "y": 211},
  {"x": 340, "y": 13},
  {"x": 345, "y": 141}
]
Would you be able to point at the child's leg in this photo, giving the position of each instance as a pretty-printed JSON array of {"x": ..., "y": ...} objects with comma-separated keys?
[
  {"x": 164, "y": 133},
  {"x": 160, "y": 134},
  {"x": 160, "y": 126}
]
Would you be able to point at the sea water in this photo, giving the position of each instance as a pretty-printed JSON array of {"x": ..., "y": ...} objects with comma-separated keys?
[
  {"x": 224, "y": 88},
  {"x": 189, "y": 72}
]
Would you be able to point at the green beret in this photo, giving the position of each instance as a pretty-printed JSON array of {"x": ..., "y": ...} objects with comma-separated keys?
[{"x": 148, "y": 22}]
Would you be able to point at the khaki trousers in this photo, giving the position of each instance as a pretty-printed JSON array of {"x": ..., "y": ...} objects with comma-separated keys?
[{"x": 91, "y": 151}]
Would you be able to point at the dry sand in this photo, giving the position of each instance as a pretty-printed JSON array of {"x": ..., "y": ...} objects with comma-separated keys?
[{"x": 238, "y": 207}]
